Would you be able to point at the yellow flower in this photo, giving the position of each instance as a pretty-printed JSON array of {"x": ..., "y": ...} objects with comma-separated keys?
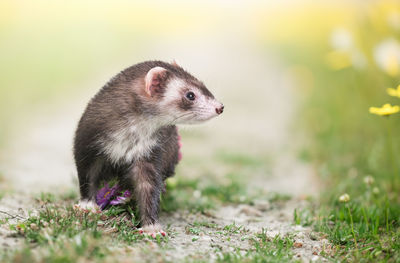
[
  {"x": 385, "y": 110},
  {"x": 394, "y": 92}
]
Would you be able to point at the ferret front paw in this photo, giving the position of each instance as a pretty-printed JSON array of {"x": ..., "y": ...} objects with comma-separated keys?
[
  {"x": 87, "y": 206},
  {"x": 152, "y": 230}
]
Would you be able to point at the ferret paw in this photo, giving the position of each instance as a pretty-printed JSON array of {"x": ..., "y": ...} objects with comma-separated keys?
[
  {"x": 87, "y": 206},
  {"x": 152, "y": 231}
]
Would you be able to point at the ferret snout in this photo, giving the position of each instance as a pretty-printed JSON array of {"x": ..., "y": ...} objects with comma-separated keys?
[{"x": 220, "y": 109}]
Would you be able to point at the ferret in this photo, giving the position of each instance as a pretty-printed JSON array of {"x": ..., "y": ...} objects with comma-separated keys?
[{"x": 128, "y": 132}]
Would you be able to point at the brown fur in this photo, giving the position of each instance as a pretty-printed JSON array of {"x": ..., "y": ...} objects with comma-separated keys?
[{"x": 121, "y": 102}]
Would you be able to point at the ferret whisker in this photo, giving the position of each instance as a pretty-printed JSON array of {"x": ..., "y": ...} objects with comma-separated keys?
[
  {"x": 202, "y": 111},
  {"x": 186, "y": 114}
]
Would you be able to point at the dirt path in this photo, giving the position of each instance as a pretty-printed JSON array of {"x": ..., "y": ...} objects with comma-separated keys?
[{"x": 260, "y": 104}]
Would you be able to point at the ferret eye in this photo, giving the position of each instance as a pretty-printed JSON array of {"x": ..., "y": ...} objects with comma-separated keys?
[{"x": 190, "y": 95}]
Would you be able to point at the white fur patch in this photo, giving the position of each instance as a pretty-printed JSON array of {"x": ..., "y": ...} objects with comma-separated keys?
[
  {"x": 204, "y": 108},
  {"x": 133, "y": 142},
  {"x": 136, "y": 140},
  {"x": 173, "y": 91}
]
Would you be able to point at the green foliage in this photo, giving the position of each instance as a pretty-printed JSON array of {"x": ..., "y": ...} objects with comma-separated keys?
[
  {"x": 201, "y": 195},
  {"x": 205, "y": 224},
  {"x": 66, "y": 234},
  {"x": 349, "y": 145},
  {"x": 303, "y": 217},
  {"x": 362, "y": 229},
  {"x": 80, "y": 248},
  {"x": 233, "y": 228},
  {"x": 47, "y": 197},
  {"x": 274, "y": 197},
  {"x": 264, "y": 249}
]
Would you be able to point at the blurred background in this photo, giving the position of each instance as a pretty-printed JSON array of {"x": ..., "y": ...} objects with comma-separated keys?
[
  {"x": 297, "y": 78},
  {"x": 282, "y": 68}
]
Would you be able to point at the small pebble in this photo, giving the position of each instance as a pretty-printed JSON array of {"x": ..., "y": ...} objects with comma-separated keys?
[
  {"x": 262, "y": 205},
  {"x": 298, "y": 244},
  {"x": 313, "y": 236}
]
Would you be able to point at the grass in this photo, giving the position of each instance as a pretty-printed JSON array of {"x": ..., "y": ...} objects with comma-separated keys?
[
  {"x": 352, "y": 150},
  {"x": 200, "y": 195},
  {"x": 56, "y": 232},
  {"x": 347, "y": 145},
  {"x": 72, "y": 251},
  {"x": 367, "y": 230},
  {"x": 210, "y": 190},
  {"x": 227, "y": 231},
  {"x": 358, "y": 230},
  {"x": 263, "y": 249},
  {"x": 61, "y": 233},
  {"x": 47, "y": 197},
  {"x": 363, "y": 231}
]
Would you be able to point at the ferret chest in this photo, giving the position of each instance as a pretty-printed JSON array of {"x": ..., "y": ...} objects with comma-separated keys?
[{"x": 131, "y": 143}]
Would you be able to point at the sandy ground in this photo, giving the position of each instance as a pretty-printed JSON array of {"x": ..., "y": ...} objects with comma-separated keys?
[{"x": 260, "y": 103}]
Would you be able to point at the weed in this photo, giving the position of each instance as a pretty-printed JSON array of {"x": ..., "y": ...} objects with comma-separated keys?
[
  {"x": 264, "y": 249},
  {"x": 73, "y": 234},
  {"x": 193, "y": 230},
  {"x": 205, "y": 224},
  {"x": 348, "y": 145},
  {"x": 232, "y": 228},
  {"x": 278, "y": 197},
  {"x": 46, "y": 197}
]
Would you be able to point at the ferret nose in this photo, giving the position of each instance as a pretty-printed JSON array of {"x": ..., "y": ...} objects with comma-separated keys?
[{"x": 220, "y": 109}]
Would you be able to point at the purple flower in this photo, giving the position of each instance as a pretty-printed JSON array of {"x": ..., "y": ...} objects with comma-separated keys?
[
  {"x": 104, "y": 195},
  {"x": 111, "y": 196},
  {"x": 121, "y": 199}
]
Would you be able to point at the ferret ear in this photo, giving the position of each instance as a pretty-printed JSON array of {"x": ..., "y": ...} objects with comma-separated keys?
[
  {"x": 155, "y": 80},
  {"x": 174, "y": 63}
]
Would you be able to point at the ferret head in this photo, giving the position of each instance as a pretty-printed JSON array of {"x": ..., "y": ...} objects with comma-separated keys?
[{"x": 181, "y": 98}]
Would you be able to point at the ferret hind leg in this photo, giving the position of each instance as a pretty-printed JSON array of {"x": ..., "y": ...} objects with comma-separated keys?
[{"x": 88, "y": 186}]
